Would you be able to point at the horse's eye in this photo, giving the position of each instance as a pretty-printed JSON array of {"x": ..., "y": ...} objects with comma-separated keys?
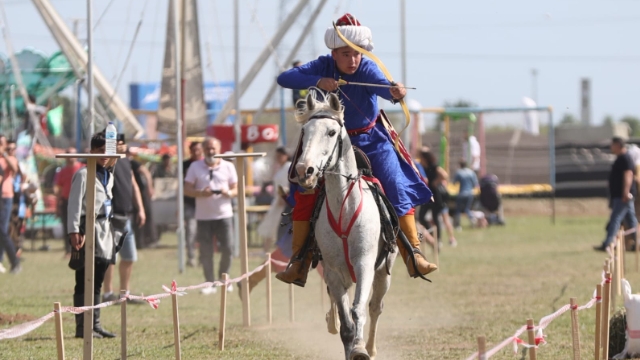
[{"x": 332, "y": 133}]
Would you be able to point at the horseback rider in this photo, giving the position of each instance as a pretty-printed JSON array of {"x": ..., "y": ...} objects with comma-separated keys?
[{"x": 366, "y": 128}]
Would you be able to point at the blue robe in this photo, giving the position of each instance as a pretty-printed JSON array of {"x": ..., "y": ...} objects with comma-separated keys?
[{"x": 402, "y": 185}]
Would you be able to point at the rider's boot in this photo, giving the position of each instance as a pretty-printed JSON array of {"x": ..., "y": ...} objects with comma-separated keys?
[
  {"x": 296, "y": 272},
  {"x": 408, "y": 226}
]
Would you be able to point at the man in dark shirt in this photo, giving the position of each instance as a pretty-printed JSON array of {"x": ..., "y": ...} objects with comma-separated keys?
[
  {"x": 146, "y": 234},
  {"x": 190, "y": 222},
  {"x": 622, "y": 189},
  {"x": 126, "y": 194}
]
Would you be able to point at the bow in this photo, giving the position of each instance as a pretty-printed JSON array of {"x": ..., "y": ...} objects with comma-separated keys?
[{"x": 386, "y": 73}]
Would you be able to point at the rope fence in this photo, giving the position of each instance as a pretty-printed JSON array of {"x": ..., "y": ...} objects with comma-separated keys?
[
  {"x": 154, "y": 301},
  {"x": 604, "y": 299}
]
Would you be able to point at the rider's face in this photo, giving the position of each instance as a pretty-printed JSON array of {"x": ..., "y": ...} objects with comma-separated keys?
[{"x": 347, "y": 59}]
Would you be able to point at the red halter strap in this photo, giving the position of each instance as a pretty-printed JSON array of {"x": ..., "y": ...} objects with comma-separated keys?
[{"x": 337, "y": 226}]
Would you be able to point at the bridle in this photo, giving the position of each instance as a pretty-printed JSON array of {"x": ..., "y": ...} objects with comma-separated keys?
[{"x": 337, "y": 146}]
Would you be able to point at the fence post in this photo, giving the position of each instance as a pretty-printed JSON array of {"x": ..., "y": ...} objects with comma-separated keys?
[
  {"x": 223, "y": 312},
  {"x": 123, "y": 326},
  {"x": 598, "y": 322},
  {"x": 575, "y": 329},
  {"x": 532, "y": 339},
  {"x": 268, "y": 278},
  {"x": 59, "y": 332},
  {"x": 291, "y": 304},
  {"x": 176, "y": 326},
  {"x": 482, "y": 348},
  {"x": 606, "y": 297}
]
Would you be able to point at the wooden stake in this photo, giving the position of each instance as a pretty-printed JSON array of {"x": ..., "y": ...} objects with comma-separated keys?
[
  {"x": 59, "y": 332},
  {"x": 532, "y": 339},
  {"x": 619, "y": 262},
  {"x": 89, "y": 257},
  {"x": 436, "y": 247},
  {"x": 637, "y": 250},
  {"x": 176, "y": 326},
  {"x": 575, "y": 329},
  {"x": 123, "y": 326},
  {"x": 291, "y": 304},
  {"x": 482, "y": 348},
  {"x": 244, "y": 250},
  {"x": 322, "y": 292},
  {"x": 598, "y": 336},
  {"x": 223, "y": 313},
  {"x": 268, "y": 278},
  {"x": 606, "y": 297}
]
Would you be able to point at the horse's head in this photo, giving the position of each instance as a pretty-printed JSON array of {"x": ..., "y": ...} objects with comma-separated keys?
[{"x": 322, "y": 137}]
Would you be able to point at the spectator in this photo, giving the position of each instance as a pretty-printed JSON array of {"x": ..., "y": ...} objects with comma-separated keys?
[
  {"x": 471, "y": 150},
  {"x": 146, "y": 235},
  {"x": 191, "y": 224},
  {"x": 437, "y": 178},
  {"x": 9, "y": 166},
  {"x": 125, "y": 194},
  {"x": 62, "y": 187},
  {"x": 104, "y": 240},
  {"x": 213, "y": 183},
  {"x": 165, "y": 170},
  {"x": 622, "y": 189},
  {"x": 468, "y": 181}
]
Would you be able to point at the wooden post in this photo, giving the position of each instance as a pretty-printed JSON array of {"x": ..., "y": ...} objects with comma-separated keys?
[
  {"x": 532, "y": 339},
  {"x": 606, "y": 297},
  {"x": 322, "y": 292},
  {"x": 223, "y": 313},
  {"x": 176, "y": 326},
  {"x": 123, "y": 326},
  {"x": 89, "y": 245},
  {"x": 575, "y": 329},
  {"x": 59, "y": 332},
  {"x": 292, "y": 317},
  {"x": 598, "y": 335},
  {"x": 268, "y": 278},
  {"x": 436, "y": 247},
  {"x": 482, "y": 348},
  {"x": 447, "y": 147},
  {"x": 90, "y": 251},
  {"x": 619, "y": 261},
  {"x": 242, "y": 227},
  {"x": 637, "y": 250}
]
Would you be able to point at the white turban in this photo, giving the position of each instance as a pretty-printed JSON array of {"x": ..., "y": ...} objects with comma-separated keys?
[{"x": 350, "y": 29}]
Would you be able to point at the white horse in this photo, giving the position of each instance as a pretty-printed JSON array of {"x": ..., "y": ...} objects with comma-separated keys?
[{"x": 326, "y": 151}]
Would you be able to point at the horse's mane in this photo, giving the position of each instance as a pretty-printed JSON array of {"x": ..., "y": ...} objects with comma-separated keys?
[{"x": 322, "y": 105}]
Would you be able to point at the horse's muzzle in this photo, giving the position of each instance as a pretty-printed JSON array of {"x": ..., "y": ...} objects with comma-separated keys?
[{"x": 307, "y": 175}]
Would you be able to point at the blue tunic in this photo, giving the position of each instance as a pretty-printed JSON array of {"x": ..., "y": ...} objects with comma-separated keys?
[{"x": 404, "y": 188}]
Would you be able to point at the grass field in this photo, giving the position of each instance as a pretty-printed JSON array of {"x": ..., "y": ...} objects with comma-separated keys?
[{"x": 489, "y": 285}]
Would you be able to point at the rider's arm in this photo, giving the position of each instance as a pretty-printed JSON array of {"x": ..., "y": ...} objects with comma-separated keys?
[
  {"x": 304, "y": 76},
  {"x": 370, "y": 73}
]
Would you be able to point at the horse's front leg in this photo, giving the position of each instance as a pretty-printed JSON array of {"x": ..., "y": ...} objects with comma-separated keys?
[
  {"x": 381, "y": 283},
  {"x": 364, "y": 275},
  {"x": 339, "y": 296}
]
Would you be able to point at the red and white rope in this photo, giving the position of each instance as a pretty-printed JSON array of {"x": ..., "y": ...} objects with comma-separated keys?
[{"x": 152, "y": 300}]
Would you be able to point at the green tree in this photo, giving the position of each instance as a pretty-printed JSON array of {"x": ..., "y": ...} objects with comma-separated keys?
[
  {"x": 634, "y": 124},
  {"x": 608, "y": 120},
  {"x": 568, "y": 119}
]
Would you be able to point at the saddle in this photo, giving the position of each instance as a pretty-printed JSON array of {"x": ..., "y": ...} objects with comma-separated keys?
[{"x": 388, "y": 217}]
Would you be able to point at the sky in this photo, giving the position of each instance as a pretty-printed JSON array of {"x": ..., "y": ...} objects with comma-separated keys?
[{"x": 480, "y": 51}]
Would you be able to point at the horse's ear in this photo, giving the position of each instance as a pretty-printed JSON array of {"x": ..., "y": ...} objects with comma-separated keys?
[
  {"x": 334, "y": 102},
  {"x": 311, "y": 103}
]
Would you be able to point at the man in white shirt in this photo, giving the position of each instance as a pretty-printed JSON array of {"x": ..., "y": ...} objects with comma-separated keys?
[
  {"x": 471, "y": 151},
  {"x": 213, "y": 183}
]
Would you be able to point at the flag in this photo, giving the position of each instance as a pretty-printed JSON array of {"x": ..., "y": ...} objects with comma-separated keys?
[{"x": 531, "y": 123}]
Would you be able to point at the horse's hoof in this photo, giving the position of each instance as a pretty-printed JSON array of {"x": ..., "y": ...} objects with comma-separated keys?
[
  {"x": 359, "y": 354},
  {"x": 333, "y": 321}
]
